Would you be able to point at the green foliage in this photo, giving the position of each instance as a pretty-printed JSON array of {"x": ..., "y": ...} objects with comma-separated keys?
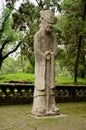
[
  {"x": 9, "y": 39},
  {"x": 70, "y": 27},
  {"x": 28, "y": 67},
  {"x": 27, "y": 21},
  {"x": 11, "y": 65},
  {"x": 9, "y": 32}
]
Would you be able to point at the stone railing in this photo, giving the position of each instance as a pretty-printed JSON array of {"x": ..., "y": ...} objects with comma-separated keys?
[
  {"x": 67, "y": 93},
  {"x": 15, "y": 93}
]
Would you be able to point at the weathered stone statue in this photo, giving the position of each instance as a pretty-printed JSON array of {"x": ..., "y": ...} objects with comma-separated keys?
[{"x": 45, "y": 48}]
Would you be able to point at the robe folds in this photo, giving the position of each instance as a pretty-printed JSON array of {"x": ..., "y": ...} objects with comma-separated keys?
[{"x": 44, "y": 69}]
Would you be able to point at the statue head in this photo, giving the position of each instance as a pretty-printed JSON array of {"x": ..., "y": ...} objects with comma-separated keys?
[{"x": 47, "y": 20}]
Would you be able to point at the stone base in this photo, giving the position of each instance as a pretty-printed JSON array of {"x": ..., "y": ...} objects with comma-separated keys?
[
  {"x": 47, "y": 116},
  {"x": 43, "y": 113}
]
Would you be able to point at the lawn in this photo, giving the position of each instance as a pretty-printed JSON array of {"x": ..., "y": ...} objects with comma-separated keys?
[
  {"x": 21, "y": 77},
  {"x": 25, "y": 77},
  {"x": 17, "y": 118}
]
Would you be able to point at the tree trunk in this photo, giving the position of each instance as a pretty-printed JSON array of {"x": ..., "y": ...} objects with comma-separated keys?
[
  {"x": 77, "y": 59},
  {"x": 79, "y": 45},
  {"x": 32, "y": 62},
  {"x": 0, "y": 63},
  {"x": 22, "y": 63},
  {"x": 83, "y": 63}
]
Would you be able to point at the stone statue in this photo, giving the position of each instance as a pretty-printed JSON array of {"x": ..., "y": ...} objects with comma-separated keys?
[{"x": 45, "y": 48}]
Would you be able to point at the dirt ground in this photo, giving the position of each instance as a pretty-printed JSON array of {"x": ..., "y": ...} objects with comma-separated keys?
[{"x": 16, "y": 117}]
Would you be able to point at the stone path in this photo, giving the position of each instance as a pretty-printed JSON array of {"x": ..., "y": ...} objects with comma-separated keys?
[{"x": 17, "y": 118}]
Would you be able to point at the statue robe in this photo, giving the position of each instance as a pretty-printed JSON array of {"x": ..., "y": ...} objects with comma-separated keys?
[
  {"x": 43, "y": 43},
  {"x": 44, "y": 72}
]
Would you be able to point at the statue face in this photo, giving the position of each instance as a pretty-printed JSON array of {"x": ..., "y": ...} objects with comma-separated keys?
[
  {"x": 47, "y": 20},
  {"x": 48, "y": 27}
]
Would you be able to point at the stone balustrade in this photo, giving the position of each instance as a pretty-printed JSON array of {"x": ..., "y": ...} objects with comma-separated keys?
[
  {"x": 70, "y": 93},
  {"x": 15, "y": 93}
]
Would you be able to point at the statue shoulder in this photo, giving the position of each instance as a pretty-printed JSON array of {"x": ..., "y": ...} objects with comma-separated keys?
[{"x": 38, "y": 34}]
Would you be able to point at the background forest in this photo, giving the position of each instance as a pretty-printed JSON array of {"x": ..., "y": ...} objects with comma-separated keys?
[{"x": 19, "y": 24}]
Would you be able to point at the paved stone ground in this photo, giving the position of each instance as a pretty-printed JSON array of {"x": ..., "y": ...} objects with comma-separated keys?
[{"x": 17, "y": 118}]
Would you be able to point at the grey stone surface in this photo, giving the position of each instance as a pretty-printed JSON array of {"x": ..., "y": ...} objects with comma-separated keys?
[
  {"x": 16, "y": 117},
  {"x": 45, "y": 48}
]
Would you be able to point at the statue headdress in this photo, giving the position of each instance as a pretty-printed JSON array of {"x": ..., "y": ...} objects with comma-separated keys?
[{"x": 47, "y": 15}]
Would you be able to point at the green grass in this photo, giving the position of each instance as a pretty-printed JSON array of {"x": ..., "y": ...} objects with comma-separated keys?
[
  {"x": 66, "y": 81},
  {"x": 17, "y": 118},
  {"x": 21, "y": 77},
  {"x": 25, "y": 77}
]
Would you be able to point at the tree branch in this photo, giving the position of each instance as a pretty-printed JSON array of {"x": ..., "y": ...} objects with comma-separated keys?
[
  {"x": 40, "y": 3},
  {"x": 12, "y": 51},
  {"x": 3, "y": 45},
  {"x": 37, "y": 2}
]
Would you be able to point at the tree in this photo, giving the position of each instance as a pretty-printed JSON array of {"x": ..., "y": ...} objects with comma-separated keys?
[
  {"x": 8, "y": 37},
  {"x": 26, "y": 19},
  {"x": 79, "y": 46},
  {"x": 71, "y": 29},
  {"x": 10, "y": 65}
]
